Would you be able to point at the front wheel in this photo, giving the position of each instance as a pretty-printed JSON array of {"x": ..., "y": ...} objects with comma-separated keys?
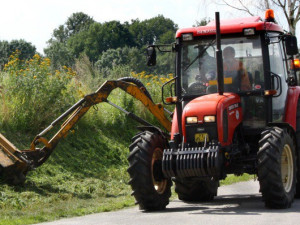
[
  {"x": 277, "y": 168},
  {"x": 150, "y": 189}
]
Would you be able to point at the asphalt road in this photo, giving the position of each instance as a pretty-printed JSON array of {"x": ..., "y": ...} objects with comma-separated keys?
[{"x": 237, "y": 204}]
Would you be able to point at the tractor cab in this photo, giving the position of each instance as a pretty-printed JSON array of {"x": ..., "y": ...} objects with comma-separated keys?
[{"x": 243, "y": 72}]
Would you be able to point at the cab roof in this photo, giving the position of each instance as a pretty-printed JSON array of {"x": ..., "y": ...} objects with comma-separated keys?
[{"x": 231, "y": 26}]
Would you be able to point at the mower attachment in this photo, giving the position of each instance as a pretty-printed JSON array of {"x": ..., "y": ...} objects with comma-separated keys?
[
  {"x": 192, "y": 162},
  {"x": 13, "y": 166}
]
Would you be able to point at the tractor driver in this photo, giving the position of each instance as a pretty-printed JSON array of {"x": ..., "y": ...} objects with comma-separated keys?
[{"x": 232, "y": 64}]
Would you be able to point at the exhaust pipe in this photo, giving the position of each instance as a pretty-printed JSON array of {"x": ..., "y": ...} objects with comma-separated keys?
[{"x": 220, "y": 74}]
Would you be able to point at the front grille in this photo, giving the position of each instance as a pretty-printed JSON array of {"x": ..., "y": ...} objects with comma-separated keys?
[
  {"x": 192, "y": 162},
  {"x": 209, "y": 128}
]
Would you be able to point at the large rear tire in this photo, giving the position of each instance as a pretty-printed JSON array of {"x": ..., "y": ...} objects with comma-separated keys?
[
  {"x": 277, "y": 168},
  {"x": 150, "y": 189},
  {"x": 193, "y": 190},
  {"x": 298, "y": 150}
]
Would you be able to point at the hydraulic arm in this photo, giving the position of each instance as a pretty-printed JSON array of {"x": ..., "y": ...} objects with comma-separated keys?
[{"x": 14, "y": 163}]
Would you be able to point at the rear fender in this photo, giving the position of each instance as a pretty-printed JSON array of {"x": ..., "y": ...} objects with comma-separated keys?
[
  {"x": 291, "y": 106},
  {"x": 154, "y": 129}
]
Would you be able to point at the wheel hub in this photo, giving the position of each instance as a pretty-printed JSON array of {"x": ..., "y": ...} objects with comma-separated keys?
[
  {"x": 159, "y": 182},
  {"x": 287, "y": 168}
]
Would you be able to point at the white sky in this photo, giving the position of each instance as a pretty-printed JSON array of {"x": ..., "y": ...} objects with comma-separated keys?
[{"x": 35, "y": 20}]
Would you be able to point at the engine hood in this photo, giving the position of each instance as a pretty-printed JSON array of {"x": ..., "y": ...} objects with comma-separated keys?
[
  {"x": 226, "y": 107},
  {"x": 208, "y": 105}
]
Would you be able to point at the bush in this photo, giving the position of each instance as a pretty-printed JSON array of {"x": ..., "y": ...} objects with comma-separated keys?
[{"x": 33, "y": 94}]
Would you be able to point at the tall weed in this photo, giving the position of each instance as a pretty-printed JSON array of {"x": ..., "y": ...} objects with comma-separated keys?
[{"x": 33, "y": 93}]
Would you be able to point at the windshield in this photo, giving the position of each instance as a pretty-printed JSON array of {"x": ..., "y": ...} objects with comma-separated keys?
[{"x": 242, "y": 62}]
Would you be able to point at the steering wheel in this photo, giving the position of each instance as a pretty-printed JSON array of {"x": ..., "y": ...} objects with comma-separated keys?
[{"x": 197, "y": 87}]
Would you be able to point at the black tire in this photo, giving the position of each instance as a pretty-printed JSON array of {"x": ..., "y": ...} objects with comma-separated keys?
[
  {"x": 298, "y": 150},
  {"x": 192, "y": 190},
  {"x": 150, "y": 189},
  {"x": 275, "y": 146}
]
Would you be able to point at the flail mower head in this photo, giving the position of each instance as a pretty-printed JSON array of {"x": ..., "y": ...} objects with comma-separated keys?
[{"x": 13, "y": 165}]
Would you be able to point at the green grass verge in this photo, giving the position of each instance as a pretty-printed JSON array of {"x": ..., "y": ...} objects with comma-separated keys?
[
  {"x": 230, "y": 179},
  {"x": 85, "y": 174}
]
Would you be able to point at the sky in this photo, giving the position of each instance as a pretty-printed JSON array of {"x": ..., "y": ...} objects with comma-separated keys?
[{"x": 35, "y": 20}]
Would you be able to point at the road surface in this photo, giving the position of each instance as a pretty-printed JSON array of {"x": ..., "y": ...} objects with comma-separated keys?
[{"x": 237, "y": 204}]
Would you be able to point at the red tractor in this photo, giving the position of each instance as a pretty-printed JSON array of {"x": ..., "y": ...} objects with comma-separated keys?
[{"x": 236, "y": 112}]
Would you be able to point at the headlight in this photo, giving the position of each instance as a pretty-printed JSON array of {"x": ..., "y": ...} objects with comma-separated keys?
[
  {"x": 192, "y": 119},
  {"x": 209, "y": 119}
]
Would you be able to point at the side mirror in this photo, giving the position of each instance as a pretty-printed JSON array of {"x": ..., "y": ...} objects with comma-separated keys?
[
  {"x": 291, "y": 45},
  {"x": 151, "y": 56}
]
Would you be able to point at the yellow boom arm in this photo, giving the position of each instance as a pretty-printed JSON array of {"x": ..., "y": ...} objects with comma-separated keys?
[{"x": 15, "y": 163}]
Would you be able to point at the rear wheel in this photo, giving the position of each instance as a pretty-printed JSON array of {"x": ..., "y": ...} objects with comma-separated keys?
[
  {"x": 277, "y": 168},
  {"x": 298, "y": 150},
  {"x": 191, "y": 190},
  {"x": 150, "y": 189}
]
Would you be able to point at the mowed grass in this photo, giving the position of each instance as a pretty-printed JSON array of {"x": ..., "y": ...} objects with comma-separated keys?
[
  {"x": 85, "y": 174},
  {"x": 35, "y": 203},
  {"x": 75, "y": 181}
]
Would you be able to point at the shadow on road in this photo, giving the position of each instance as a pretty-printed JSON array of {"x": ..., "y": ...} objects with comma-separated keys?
[{"x": 228, "y": 204}]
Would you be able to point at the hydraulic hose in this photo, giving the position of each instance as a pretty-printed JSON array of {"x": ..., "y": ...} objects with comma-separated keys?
[{"x": 138, "y": 83}]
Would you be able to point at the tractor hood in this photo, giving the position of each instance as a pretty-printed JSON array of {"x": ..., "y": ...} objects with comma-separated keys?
[
  {"x": 208, "y": 105},
  {"x": 224, "y": 108}
]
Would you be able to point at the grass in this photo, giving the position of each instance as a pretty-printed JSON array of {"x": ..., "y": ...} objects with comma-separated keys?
[
  {"x": 35, "y": 203},
  {"x": 75, "y": 181},
  {"x": 231, "y": 179},
  {"x": 85, "y": 174}
]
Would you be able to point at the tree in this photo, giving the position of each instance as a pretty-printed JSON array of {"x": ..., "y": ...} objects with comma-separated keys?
[
  {"x": 4, "y": 52},
  {"x": 130, "y": 56},
  {"x": 27, "y": 50},
  {"x": 77, "y": 22},
  {"x": 99, "y": 38},
  {"x": 202, "y": 22},
  {"x": 59, "y": 54},
  {"x": 80, "y": 34},
  {"x": 157, "y": 30},
  {"x": 289, "y": 8},
  {"x": 60, "y": 34}
]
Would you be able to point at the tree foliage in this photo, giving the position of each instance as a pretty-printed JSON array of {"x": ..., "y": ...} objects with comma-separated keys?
[
  {"x": 81, "y": 34},
  {"x": 157, "y": 30},
  {"x": 76, "y": 23},
  {"x": 59, "y": 54},
  {"x": 202, "y": 22},
  {"x": 27, "y": 50},
  {"x": 101, "y": 37}
]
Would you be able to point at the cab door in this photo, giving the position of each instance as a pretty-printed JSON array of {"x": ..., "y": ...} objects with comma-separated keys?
[{"x": 278, "y": 73}]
